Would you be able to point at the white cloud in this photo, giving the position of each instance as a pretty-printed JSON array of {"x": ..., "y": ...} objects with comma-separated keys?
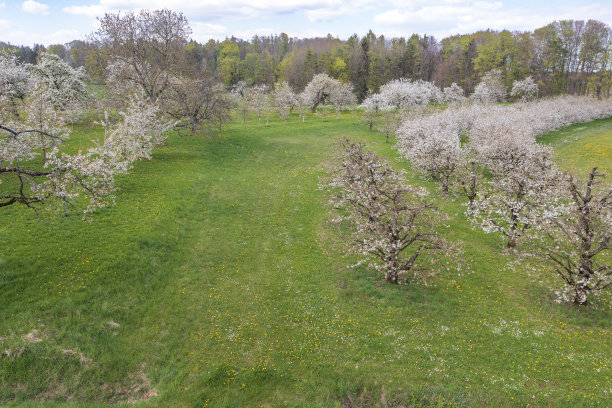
[
  {"x": 310, "y": 18},
  {"x": 327, "y": 14},
  {"x": 250, "y": 33},
  {"x": 207, "y": 9},
  {"x": 203, "y": 31},
  {"x": 20, "y": 37},
  {"x": 4, "y": 24},
  {"x": 453, "y": 17},
  {"x": 309, "y": 34},
  {"x": 63, "y": 36},
  {"x": 2, "y": 4},
  {"x": 34, "y": 7},
  {"x": 93, "y": 11}
]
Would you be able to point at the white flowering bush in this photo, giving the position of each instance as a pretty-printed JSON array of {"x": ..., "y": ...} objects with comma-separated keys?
[
  {"x": 432, "y": 145},
  {"x": 342, "y": 97},
  {"x": 453, "y": 94},
  {"x": 406, "y": 94},
  {"x": 134, "y": 137},
  {"x": 490, "y": 89},
  {"x": 526, "y": 89},
  {"x": 497, "y": 136},
  {"x": 373, "y": 105}
]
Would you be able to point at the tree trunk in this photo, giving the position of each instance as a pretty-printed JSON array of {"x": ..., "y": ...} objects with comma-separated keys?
[
  {"x": 313, "y": 108},
  {"x": 511, "y": 242}
]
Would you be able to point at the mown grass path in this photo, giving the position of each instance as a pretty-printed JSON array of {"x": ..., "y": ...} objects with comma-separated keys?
[{"x": 215, "y": 282}]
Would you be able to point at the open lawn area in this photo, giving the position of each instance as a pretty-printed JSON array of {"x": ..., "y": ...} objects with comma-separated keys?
[{"x": 216, "y": 281}]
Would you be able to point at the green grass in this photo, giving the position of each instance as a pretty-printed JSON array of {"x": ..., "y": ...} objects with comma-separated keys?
[
  {"x": 583, "y": 145},
  {"x": 219, "y": 266}
]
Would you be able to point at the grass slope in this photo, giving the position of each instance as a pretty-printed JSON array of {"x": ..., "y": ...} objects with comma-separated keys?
[{"x": 214, "y": 282}]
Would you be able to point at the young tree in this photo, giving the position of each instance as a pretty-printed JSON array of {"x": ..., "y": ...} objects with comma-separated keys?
[
  {"x": 392, "y": 224},
  {"x": 470, "y": 178},
  {"x": 219, "y": 106},
  {"x": 259, "y": 95},
  {"x": 146, "y": 46},
  {"x": 303, "y": 105},
  {"x": 373, "y": 105},
  {"x": 432, "y": 146},
  {"x": 284, "y": 99},
  {"x": 574, "y": 234},
  {"x": 453, "y": 94},
  {"x": 523, "y": 173},
  {"x": 390, "y": 121},
  {"x": 244, "y": 100},
  {"x": 342, "y": 97},
  {"x": 406, "y": 94}
]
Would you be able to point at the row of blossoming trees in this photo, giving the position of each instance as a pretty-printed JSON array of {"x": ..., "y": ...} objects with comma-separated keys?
[
  {"x": 323, "y": 91},
  {"x": 489, "y": 153},
  {"x": 394, "y": 99},
  {"x": 402, "y": 97}
]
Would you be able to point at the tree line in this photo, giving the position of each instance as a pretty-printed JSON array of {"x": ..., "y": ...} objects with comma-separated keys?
[{"x": 568, "y": 56}]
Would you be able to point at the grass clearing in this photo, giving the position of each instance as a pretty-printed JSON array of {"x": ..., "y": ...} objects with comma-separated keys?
[{"x": 212, "y": 283}]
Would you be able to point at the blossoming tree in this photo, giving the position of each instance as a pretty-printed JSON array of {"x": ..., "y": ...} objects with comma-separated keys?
[{"x": 392, "y": 224}]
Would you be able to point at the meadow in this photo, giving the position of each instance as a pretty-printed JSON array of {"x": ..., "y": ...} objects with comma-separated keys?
[{"x": 216, "y": 281}]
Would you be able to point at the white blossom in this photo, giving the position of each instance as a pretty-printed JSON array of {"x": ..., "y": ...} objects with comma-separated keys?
[
  {"x": 453, "y": 94},
  {"x": 526, "y": 89},
  {"x": 574, "y": 235},
  {"x": 373, "y": 105},
  {"x": 391, "y": 223},
  {"x": 343, "y": 97},
  {"x": 320, "y": 89},
  {"x": 284, "y": 99},
  {"x": 64, "y": 84},
  {"x": 34, "y": 172},
  {"x": 15, "y": 80},
  {"x": 406, "y": 94},
  {"x": 491, "y": 88}
]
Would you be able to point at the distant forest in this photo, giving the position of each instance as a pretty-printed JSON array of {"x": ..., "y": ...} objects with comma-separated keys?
[{"x": 563, "y": 57}]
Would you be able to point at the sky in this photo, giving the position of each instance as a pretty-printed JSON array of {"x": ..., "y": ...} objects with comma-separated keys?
[{"x": 51, "y": 22}]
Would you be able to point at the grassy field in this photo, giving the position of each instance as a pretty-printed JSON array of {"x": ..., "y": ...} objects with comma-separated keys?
[
  {"x": 215, "y": 282},
  {"x": 581, "y": 146}
]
